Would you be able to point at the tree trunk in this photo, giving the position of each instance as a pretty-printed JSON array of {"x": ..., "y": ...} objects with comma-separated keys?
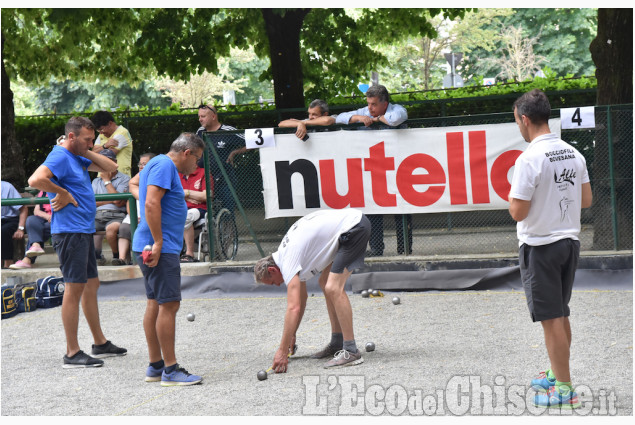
[
  {"x": 12, "y": 160},
  {"x": 283, "y": 31},
  {"x": 612, "y": 53}
]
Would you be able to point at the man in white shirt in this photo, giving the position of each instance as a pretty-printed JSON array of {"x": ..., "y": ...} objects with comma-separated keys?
[
  {"x": 549, "y": 188},
  {"x": 331, "y": 243}
]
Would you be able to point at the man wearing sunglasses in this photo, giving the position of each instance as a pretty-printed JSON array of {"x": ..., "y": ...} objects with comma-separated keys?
[{"x": 227, "y": 146}]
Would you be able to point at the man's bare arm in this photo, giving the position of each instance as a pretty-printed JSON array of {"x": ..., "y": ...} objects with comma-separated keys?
[
  {"x": 41, "y": 179},
  {"x": 100, "y": 163}
]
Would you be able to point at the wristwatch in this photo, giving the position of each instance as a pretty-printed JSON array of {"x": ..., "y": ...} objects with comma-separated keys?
[
  {"x": 21, "y": 228},
  {"x": 107, "y": 183}
]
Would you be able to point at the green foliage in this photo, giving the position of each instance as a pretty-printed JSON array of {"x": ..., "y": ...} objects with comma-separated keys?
[
  {"x": 154, "y": 130},
  {"x": 73, "y": 44},
  {"x": 131, "y": 44},
  {"x": 339, "y": 47},
  {"x": 564, "y": 36},
  {"x": 37, "y": 136},
  {"x": 69, "y": 96}
]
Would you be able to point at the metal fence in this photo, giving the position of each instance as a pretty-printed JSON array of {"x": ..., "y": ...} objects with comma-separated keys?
[
  {"x": 245, "y": 235},
  {"x": 606, "y": 226}
]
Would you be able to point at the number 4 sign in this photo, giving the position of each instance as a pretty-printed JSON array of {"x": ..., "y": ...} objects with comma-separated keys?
[
  {"x": 256, "y": 138},
  {"x": 575, "y": 118}
]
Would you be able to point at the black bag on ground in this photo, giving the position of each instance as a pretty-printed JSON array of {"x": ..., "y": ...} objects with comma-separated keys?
[
  {"x": 50, "y": 291},
  {"x": 9, "y": 308},
  {"x": 25, "y": 297}
]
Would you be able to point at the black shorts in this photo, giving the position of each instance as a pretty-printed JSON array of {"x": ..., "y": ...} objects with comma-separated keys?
[
  {"x": 352, "y": 249},
  {"x": 76, "y": 253},
  {"x": 162, "y": 282},
  {"x": 547, "y": 272}
]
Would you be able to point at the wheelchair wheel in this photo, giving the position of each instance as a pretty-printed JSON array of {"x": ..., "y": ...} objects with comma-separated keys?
[{"x": 226, "y": 235}]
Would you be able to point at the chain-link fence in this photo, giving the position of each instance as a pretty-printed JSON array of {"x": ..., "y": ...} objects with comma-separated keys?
[{"x": 607, "y": 225}]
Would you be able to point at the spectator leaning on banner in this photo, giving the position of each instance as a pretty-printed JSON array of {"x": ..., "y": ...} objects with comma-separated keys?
[
  {"x": 318, "y": 115},
  {"x": 380, "y": 111}
]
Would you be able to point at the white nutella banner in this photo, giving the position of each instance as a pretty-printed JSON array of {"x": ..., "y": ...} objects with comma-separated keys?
[{"x": 392, "y": 171}]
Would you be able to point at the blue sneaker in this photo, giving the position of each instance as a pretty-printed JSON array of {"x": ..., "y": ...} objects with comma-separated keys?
[
  {"x": 179, "y": 376},
  {"x": 543, "y": 383},
  {"x": 567, "y": 400},
  {"x": 153, "y": 374}
]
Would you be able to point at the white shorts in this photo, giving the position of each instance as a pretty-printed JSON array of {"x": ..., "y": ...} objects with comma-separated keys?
[{"x": 193, "y": 214}]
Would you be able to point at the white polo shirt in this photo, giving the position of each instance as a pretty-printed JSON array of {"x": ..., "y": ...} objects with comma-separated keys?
[
  {"x": 311, "y": 243},
  {"x": 550, "y": 174}
]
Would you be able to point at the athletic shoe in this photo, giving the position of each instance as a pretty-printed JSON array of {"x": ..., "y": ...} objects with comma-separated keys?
[
  {"x": 543, "y": 383},
  {"x": 345, "y": 358},
  {"x": 81, "y": 359},
  {"x": 20, "y": 265},
  {"x": 153, "y": 374},
  {"x": 108, "y": 350},
  {"x": 179, "y": 376},
  {"x": 101, "y": 261},
  {"x": 567, "y": 400},
  {"x": 327, "y": 351},
  {"x": 118, "y": 262},
  {"x": 34, "y": 251}
]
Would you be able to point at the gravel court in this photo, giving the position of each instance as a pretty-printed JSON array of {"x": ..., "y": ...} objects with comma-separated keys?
[{"x": 426, "y": 344}]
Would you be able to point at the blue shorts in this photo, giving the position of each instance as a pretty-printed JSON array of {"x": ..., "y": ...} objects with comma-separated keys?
[
  {"x": 352, "y": 249},
  {"x": 163, "y": 282},
  {"x": 547, "y": 273},
  {"x": 76, "y": 253}
]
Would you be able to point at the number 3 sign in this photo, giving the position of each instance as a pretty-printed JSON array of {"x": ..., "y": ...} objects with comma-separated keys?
[
  {"x": 575, "y": 118},
  {"x": 256, "y": 138}
]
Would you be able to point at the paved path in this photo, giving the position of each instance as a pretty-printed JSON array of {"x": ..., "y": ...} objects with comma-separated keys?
[{"x": 430, "y": 348}]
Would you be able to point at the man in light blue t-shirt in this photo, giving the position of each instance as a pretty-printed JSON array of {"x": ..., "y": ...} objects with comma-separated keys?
[
  {"x": 385, "y": 115},
  {"x": 163, "y": 212},
  {"x": 64, "y": 176}
]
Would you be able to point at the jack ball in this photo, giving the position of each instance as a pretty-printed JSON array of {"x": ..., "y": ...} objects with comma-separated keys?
[
  {"x": 262, "y": 375},
  {"x": 191, "y": 317},
  {"x": 396, "y": 301},
  {"x": 370, "y": 346}
]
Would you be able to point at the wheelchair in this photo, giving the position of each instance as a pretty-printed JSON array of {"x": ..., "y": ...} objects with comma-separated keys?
[{"x": 225, "y": 235}]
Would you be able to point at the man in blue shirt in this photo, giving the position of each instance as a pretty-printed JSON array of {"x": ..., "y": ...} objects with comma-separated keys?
[
  {"x": 163, "y": 212},
  {"x": 64, "y": 176},
  {"x": 381, "y": 111}
]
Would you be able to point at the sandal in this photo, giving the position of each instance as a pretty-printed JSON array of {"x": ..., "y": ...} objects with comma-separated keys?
[{"x": 188, "y": 259}]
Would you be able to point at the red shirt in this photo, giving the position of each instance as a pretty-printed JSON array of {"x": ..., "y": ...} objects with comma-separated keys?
[{"x": 195, "y": 182}]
